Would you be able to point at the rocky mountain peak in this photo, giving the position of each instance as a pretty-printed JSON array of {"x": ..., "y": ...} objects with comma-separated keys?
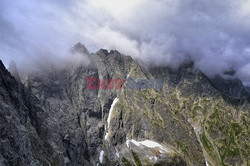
[
  {"x": 80, "y": 48},
  {"x": 230, "y": 87},
  {"x": 103, "y": 51},
  {"x": 1, "y": 65}
]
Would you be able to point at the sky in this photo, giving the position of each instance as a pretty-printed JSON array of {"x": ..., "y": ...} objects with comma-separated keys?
[{"x": 214, "y": 34}]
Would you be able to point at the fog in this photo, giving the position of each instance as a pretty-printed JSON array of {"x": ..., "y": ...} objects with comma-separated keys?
[{"x": 213, "y": 34}]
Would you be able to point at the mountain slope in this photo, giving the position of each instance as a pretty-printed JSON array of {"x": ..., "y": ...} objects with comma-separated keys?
[{"x": 192, "y": 120}]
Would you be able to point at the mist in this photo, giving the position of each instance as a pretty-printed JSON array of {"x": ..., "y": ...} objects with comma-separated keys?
[{"x": 213, "y": 34}]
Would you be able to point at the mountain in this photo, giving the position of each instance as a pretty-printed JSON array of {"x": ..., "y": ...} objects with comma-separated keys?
[
  {"x": 248, "y": 88},
  {"x": 51, "y": 117}
]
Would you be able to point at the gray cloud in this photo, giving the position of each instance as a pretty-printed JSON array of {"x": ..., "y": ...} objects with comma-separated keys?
[{"x": 214, "y": 34}]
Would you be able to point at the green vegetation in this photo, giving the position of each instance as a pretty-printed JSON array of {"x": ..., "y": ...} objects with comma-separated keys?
[
  {"x": 237, "y": 129},
  {"x": 126, "y": 162},
  {"x": 182, "y": 146},
  {"x": 136, "y": 159}
]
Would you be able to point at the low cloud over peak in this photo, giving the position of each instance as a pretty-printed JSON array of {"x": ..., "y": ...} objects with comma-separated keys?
[{"x": 213, "y": 34}]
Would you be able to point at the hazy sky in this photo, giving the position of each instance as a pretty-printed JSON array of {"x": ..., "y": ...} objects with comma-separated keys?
[{"x": 213, "y": 33}]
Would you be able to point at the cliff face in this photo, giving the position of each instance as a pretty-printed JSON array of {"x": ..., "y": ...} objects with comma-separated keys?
[
  {"x": 14, "y": 141},
  {"x": 53, "y": 119}
]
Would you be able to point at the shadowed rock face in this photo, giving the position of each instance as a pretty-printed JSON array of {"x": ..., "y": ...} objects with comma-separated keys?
[
  {"x": 55, "y": 120},
  {"x": 14, "y": 141},
  {"x": 14, "y": 71}
]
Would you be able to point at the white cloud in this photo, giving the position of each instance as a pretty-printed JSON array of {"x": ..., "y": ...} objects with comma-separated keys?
[{"x": 215, "y": 34}]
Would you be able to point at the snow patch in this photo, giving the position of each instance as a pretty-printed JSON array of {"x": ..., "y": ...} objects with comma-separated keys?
[
  {"x": 127, "y": 143},
  {"x": 149, "y": 144},
  {"x": 128, "y": 75},
  {"x": 153, "y": 158},
  {"x": 135, "y": 142},
  {"x": 109, "y": 117},
  {"x": 132, "y": 141},
  {"x": 117, "y": 153},
  {"x": 101, "y": 156}
]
